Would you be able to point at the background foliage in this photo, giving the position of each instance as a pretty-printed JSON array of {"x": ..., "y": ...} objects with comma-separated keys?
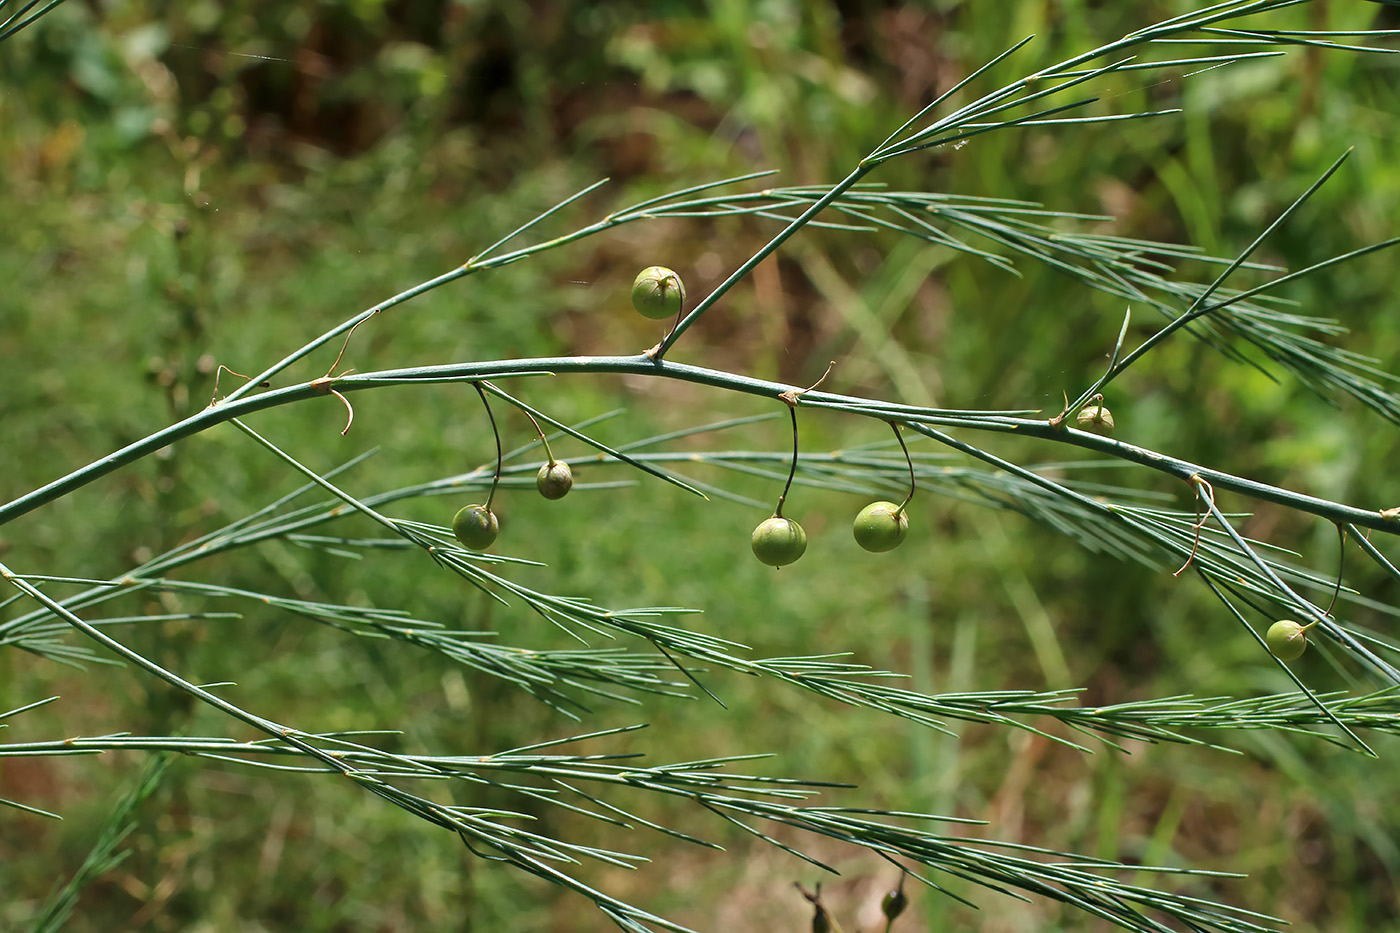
[{"x": 214, "y": 183}]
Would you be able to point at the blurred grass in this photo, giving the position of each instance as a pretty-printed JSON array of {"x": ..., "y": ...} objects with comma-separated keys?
[{"x": 215, "y": 184}]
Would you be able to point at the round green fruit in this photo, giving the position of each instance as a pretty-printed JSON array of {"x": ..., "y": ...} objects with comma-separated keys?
[
  {"x": 778, "y": 541},
  {"x": 893, "y": 903},
  {"x": 881, "y": 526},
  {"x": 1096, "y": 418},
  {"x": 476, "y": 527},
  {"x": 1286, "y": 640},
  {"x": 554, "y": 480},
  {"x": 657, "y": 293}
]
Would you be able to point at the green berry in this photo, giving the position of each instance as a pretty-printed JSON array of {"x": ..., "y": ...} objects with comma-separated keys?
[
  {"x": 1096, "y": 418},
  {"x": 778, "y": 541},
  {"x": 657, "y": 293},
  {"x": 881, "y": 526},
  {"x": 1286, "y": 640},
  {"x": 893, "y": 903},
  {"x": 554, "y": 480},
  {"x": 476, "y": 527}
]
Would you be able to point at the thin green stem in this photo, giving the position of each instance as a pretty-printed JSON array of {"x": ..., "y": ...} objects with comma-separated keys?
[
  {"x": 267, "y": 726},
  {"x": 1200, "y": 306},
  {"x": 549, "y": 453},
  {"x": 1374, "y": 553},
  {"x": 17, "y": 21},
  {"x": 1341, "y": 565},
  {"x": 476, "y": 260},
  {"x": 752, "y": 262},
  {"x": 792, "y": 468},
  {"x": 1299, "y": 602},
  {"x": 320, "y": 481},
  {"x": 495, "y": 432},
  {"x": 479, "y": 263},
  {"x": 894, "y": 426}
]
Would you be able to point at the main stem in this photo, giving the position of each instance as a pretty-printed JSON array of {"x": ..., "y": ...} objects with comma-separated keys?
[{"x": 641, "y": 365}]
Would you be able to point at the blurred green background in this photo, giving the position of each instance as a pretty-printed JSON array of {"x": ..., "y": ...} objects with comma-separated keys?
[{"x": 187, "y": 185}]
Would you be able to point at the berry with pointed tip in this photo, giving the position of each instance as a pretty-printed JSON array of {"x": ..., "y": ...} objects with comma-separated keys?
[
  {"x": 778, "y": 541},
  {"x": 1096, "y": 418},
  {"x": 657, "y": 293},
  {"x": 881, "y": 526},
  {"x": 893, "y": 903},
  {"x": 554, "y": 480},
  {"x": 476, "y": 527},
  {"x": 1286, "y": 640}
]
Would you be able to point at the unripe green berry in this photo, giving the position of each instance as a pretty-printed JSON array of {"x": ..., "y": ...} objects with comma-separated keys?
[
  {"x": 778, "y": 541},
  {"x": 554, "y": 480},
  {"x": 1096, "y": 418},
  {"x": 893, "y": 903},
  {"x": 657, "y": 293},
  {"x": 881, "y": 526},
  {"x": 476, "y": 527},
  {"x": 1286, "y": 640}
]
